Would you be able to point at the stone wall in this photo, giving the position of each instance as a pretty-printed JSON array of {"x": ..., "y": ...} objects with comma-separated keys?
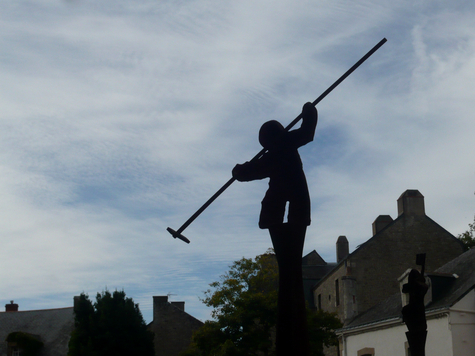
[
  {"x": 369, "y": 274},
  {"x": 172, "y": 326},
  {"x": 326, "y": 294},
  {"x": 378, "y": 263}
]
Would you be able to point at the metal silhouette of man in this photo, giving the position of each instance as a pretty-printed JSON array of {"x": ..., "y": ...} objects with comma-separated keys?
[{"x": 287, "y": 187}]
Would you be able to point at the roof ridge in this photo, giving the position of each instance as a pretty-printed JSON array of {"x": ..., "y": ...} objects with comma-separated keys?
[{"x": 35, "y": 310}]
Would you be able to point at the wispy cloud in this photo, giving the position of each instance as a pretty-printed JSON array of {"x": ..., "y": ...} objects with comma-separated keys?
[{"x": 121, "y": 119}]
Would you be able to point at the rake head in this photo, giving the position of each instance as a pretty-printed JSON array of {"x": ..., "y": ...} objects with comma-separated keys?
[{"x": 176, "y": 234}]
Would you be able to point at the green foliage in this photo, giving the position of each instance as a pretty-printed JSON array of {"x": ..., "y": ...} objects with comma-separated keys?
[
  {"x": 244, "y": 304},
  {"x": 29, "y": 345},
  {"x": 321, "y": 330},
  {"x": 113, "y": 326},
  {"x": 468, "y": 237}
]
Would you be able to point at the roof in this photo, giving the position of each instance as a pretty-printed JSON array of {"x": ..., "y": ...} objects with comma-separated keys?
[
  {"x": 317, "y": 272},
  {"x": 360, "y": 247},
  {"x": 314, "y": 266},
  {"x": 53, "y": 326},
  {"x": 313, "y": 259},
  {"x": 463, "y": 266},
  {"x": 356, "y": 251}
]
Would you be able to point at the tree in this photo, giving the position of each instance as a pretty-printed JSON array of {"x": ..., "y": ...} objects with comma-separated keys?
[
  {"x": 244, "y": 304},
  {"x": 27, "y": 344},
  {"x": 468, "y": 237},
  {"x": 112, "y": 326}
]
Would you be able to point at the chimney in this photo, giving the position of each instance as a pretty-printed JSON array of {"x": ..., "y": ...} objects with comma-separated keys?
[
  {"x": 179, "y": 305},
  {"x": 160, "y": 304},
  {"x": 411, "y": 202},
  {"x": 342, "y": 248},
  {"x": 12, "y": 307},
  {"x": 162, "y": 308},
  {"x": 160, "y": 300},
  {"x": 76, "y": 302},
  {"x": 381, "y": 222}
]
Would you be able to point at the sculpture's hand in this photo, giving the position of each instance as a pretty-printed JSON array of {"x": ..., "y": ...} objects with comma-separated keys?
[
  {"x": 309, "y": 110},
  {"x": 236, "y": 172}
]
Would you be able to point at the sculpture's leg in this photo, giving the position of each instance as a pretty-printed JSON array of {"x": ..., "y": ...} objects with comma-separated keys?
[
  {"x": 292, "y": 335},
  {"x": 417, "y": 341}
]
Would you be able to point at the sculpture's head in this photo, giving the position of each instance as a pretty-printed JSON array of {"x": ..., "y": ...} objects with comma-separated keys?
[
  {"x": 270, "y": 134},
  {"x": 414, "y": 276}
]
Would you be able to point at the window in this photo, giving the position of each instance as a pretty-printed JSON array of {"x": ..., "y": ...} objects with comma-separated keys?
[
  {"x": 319, "y": 302},
  {"x": 367, "y": 351},
  {"x": 337, "y": 292}
]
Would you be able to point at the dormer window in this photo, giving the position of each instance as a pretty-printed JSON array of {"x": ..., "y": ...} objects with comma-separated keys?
[{"x": 438, "y": 284}]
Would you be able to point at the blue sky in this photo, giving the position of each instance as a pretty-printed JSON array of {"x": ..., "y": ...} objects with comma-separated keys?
[{"x": 121, "y": 118}]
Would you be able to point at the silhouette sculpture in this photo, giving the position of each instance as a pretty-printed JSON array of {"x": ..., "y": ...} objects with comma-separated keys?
[
  {"x": 413, "y": 314},
  {"x": 178, "y": 233},
  {"x": 287, "y": 185}
]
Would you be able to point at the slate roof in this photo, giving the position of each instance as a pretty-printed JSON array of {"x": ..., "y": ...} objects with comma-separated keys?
[
  {"x": 313, "y": 259},
  {"x": 317, "y": 272},
  {"x": 314, "y": 268},
  {"x": 53, "y": 326},
  {"x": 463, "y": 266}
]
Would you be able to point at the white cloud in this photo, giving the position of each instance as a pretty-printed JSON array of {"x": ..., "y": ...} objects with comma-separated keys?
[{"x": 119, "y": 120}]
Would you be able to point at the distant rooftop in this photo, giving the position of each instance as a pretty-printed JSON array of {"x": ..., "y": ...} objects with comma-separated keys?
[
  {"x": 53, "y": 326},
  {"x": 463, "y": 267}
]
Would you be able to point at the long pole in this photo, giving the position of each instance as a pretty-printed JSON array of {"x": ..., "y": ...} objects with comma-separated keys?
[{"x": 178, "y": 233}]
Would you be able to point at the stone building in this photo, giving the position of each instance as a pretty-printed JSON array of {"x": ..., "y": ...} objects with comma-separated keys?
[
  {"x": 450, "y": 314},
  {"x": 370, "y": 274},
  {"x": 172, "y": 326},
  {"x": 52, "y": 327},
  {"x": 314, "y": 268}
]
